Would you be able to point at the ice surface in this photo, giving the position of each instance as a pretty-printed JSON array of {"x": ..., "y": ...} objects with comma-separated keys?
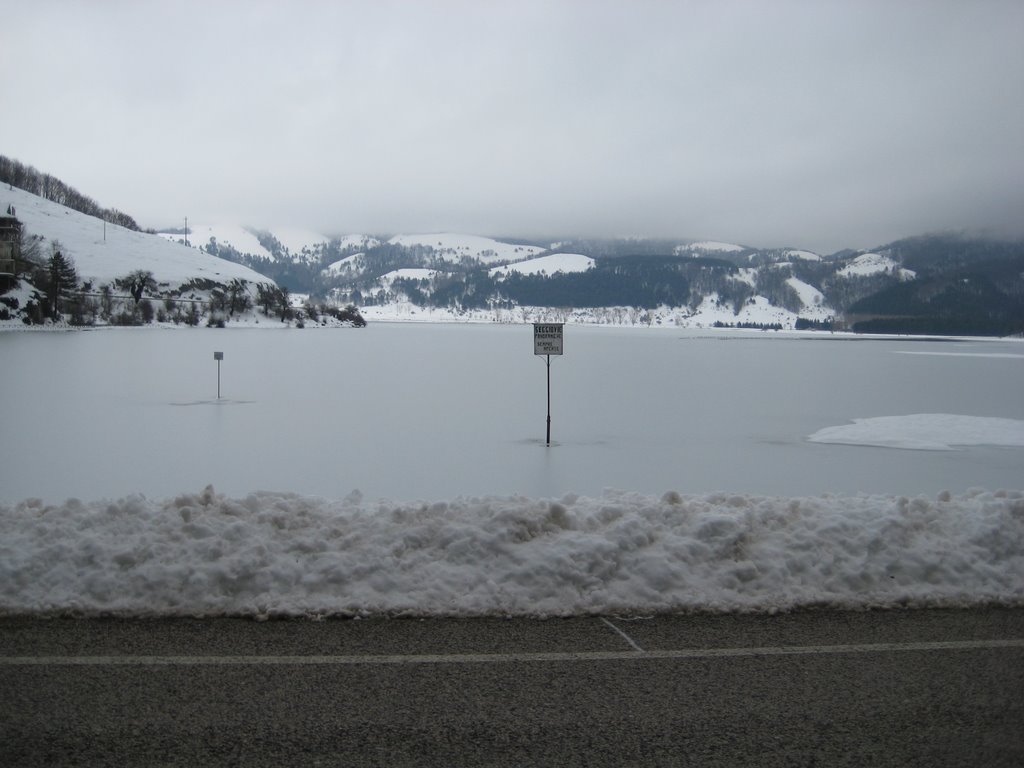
[
  {"x": 108, "y": 435},
  {"x": 283, "y": 554}
]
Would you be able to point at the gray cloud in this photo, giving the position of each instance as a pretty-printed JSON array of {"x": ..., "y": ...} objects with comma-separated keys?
[{"x": 813, "y": 124}]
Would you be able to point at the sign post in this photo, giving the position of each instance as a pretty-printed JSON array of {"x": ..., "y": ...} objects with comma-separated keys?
[
  {"x": 547, "y": 341},
  {"x": 218, "y": 356}
]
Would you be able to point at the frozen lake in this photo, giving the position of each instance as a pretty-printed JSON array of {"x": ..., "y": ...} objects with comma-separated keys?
[{"x": 427, "y": 412}]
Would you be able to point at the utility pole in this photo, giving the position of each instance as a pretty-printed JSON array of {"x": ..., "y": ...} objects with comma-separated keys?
[{"x": 186, "y": 230}]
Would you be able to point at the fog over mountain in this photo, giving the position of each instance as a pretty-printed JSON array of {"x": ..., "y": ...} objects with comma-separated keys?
[{"x": 806, "y": 125}]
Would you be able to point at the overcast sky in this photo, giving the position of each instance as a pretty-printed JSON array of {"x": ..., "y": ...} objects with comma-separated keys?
[{"x": 812, "y": 124}]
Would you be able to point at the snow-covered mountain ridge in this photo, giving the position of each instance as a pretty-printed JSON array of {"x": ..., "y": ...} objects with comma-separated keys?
[
  {"x": 933, "y": 284},
  {"x": 913, "y": 285}
]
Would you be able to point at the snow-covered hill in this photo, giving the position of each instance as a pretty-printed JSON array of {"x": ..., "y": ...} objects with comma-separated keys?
[
  {"x": 455, "y": 247},
  {"x": 546, "y": 265},
  {"x": 124, "y": 277},
  {"x": 709, "y": 247},
  {"x": 357, "y": 242},
  {"x": 103, "y": 252},
  {"x": 407, "y": 274},
  {"x": 802, "y": 255},
  {"x": 872, "y": 264},
  {"x": 241, "y": 239},
  {"x": 459, "y": 276},
  {"x": 353, "y": 264}
]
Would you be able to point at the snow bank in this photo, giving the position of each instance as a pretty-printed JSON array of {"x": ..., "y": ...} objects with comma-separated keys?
[{"x": 285, "y": 554}]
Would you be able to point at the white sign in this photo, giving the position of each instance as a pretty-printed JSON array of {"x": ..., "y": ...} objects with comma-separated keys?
[{"x": 547, "y": 338}]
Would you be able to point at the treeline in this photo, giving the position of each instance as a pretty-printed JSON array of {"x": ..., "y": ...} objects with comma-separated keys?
[
  {"x": 961, "y": 304},
  {"x": 51, "y": 188},
  {"x": 643, "y": 282}
]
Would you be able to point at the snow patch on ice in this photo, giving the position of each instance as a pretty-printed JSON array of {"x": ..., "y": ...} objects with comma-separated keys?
[{"x": 925, "y": 432}]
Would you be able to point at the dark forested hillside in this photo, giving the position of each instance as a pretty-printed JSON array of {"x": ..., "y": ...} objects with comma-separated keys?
[{"x": 963, "y": 286}]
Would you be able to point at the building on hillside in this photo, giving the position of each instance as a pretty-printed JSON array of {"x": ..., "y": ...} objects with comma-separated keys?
[{"x": 10, "y": 243}]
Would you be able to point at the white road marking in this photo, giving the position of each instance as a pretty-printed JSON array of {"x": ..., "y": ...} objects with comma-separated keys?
[
  {"x": 624, "y": 636},
  {"x": 504, "y": 658},
  {"x": 960, "y": 354}
]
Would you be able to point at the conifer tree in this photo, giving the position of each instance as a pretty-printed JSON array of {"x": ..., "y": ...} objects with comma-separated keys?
[{"x": 61, "y": 280}]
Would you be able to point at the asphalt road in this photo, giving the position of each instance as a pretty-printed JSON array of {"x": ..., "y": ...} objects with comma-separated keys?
[{"x": 822, "y": 688}]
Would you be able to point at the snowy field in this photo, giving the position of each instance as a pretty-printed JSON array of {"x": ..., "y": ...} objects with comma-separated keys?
[{"x": 402, "y": 469}]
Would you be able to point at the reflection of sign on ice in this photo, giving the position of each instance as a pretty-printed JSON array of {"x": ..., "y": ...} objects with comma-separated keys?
[{"x": 547, "y": 338}]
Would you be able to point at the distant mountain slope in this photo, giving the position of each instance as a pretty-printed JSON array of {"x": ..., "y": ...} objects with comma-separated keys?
[
  {"x": 547, "y": 265},
  {"x": 962, "y": 286},
  {"x": 692, "y": 282},
  {"x": 945, "y": 284},
  {"x": 211, "y": 237},
  {"x": 455, "y": 247}
]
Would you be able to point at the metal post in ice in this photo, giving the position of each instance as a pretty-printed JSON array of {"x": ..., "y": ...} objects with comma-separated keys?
[{"x": 218, "y": 356}]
